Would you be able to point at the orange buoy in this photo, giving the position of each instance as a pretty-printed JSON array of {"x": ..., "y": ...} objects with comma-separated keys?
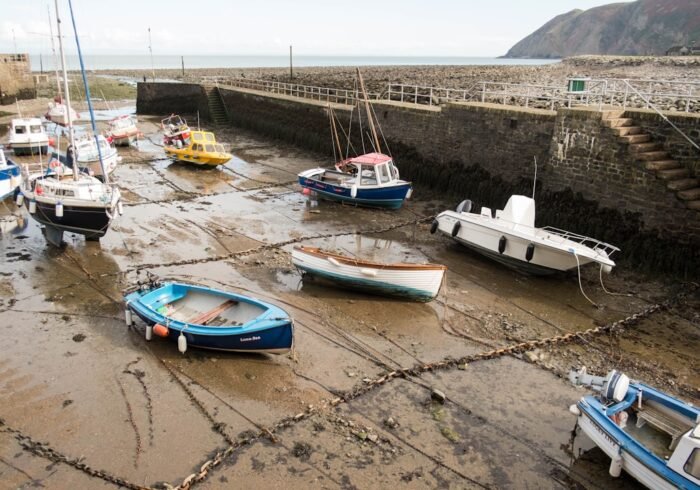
[{"x": 160, "y": 330}]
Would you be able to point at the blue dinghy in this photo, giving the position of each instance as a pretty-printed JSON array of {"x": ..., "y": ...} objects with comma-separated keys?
[
  {"x": 651, "y": 435},
  {"x": 210, "y": 319}
]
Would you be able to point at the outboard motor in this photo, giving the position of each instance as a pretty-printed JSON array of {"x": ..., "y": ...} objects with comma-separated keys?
[{"x": 612, "y": 387}]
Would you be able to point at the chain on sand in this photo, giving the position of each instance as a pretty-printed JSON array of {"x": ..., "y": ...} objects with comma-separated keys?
[
  {"x": 43, "y": 450},
  {"x": 370, "y": 385},
  {"x": 272, "y": 246}
]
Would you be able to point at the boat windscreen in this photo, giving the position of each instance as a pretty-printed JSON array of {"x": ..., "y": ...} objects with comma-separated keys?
[
  {"x": 209, "y": 148},
  {"x": 220, "y": 148}
]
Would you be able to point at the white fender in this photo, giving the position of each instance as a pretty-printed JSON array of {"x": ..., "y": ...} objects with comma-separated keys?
[
  {"x": 20, "y": 199},
  {"x": 127, "y": 317},
  {"x": 120, "y": 207},
  {"x": 353, "y": 191},
  {"x": 368, "y": 272},
  {"x": 616, "y": 466},
  {"x": 333, "y": 261},
  {"x": 59, "y": 209},
  {"x": 32, "y": 206},
  {"x": 182, "y": 343},
  {"x": 149, "y": 332}
]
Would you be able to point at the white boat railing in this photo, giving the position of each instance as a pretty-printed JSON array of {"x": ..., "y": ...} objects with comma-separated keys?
[
  {"x": 642, "y": 93},
  {"x": 323, "y": 94},
  {"x": 593, "y": 243}
]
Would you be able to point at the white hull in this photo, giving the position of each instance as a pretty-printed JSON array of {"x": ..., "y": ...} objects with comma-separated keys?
[
  {"x": 57, "y": 114},
  {"x": 630, "y": 464},
  {"x": 110, "y": 163},
  {"x": 422, "y": 283},
  {"x": 8, "y": 186}
]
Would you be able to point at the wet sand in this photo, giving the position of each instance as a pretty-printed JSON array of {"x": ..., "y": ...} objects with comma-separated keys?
[{"x": 73, "y": 376}]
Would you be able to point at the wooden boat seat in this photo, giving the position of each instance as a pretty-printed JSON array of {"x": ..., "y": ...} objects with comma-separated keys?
[
  {"x": 662, "y": 422},
  {"x": 209, "y": 316}
]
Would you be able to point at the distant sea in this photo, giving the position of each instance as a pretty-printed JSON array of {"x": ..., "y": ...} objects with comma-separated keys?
[{"x": 131, "y": 62}]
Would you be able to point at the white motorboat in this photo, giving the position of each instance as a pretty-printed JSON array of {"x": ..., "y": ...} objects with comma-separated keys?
[
  {"x": 123, "y": 130},
  {"x": 649, "y": 434},
  {"x": 89, "y": 158},
  {"x": 58, "y": 113},
  {"x": 419, "y": 282},
  {"x": 10, "y": 177},
  {"x": 510, "y": 237},
  {"x": 28, "y": 137}
]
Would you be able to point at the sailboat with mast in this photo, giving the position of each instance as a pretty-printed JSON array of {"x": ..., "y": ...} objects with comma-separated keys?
[
  {"x": 58, "y": 111},
  {"x": 370, "y": 179},
  {"x": 64, "y": 199}
]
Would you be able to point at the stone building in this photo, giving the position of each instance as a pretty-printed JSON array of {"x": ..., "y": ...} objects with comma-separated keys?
[{"x": 16, "y": 81}]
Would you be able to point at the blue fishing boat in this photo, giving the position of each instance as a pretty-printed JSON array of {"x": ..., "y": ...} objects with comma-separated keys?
[
  {"x": 200, "y": 316},
  {"x": 370, "y": 179},
  {"x": 367, "y": 180},
  {"x": 651, "y": 435},
  {"x": 10, "y": 177}
]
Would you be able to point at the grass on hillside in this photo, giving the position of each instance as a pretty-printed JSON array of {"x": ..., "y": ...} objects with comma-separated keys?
[{"x": 100, "y": 87}]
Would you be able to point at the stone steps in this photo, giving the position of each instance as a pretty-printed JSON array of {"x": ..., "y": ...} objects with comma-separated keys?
[
  {"x": 627, "y": 130},
  {"x": 647, "y": 147},
  {"x": 617, "y": 122},
  {"x": 652, "y": 155},
  {"x": 636, "y": 138},
  {"x": 217, "y": 110},
  {"x": 661, "y": 165},
  {"x": 683, "y": 184},
  {"x": 673, "y": 174},
  {"x": 689, "y": 194}
]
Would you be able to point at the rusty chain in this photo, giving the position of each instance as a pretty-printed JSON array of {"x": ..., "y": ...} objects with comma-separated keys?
[{"x": 44, "y": 450}]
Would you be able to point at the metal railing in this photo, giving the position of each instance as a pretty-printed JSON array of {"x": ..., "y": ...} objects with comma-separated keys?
[
  {"x": 323, "y": 94},
  {"x": 665, "y": 94}
]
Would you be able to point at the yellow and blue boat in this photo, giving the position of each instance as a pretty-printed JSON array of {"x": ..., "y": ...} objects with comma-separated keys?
[{"x": 200, "y": 148}]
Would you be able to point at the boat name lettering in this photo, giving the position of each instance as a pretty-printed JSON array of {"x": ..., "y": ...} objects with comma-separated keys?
[{"x": 250, "y": 339}]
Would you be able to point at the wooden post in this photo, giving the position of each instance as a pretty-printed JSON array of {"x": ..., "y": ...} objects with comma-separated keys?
[
  {"x": 291, "y": 70},
  {"x": 182, "y": 59}
]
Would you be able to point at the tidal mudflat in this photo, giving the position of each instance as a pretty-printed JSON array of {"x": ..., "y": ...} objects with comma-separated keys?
[{"x": 88, "y": 403}]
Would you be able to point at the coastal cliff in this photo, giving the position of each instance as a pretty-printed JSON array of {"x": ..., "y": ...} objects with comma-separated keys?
[{"x": 644, "y": 27}]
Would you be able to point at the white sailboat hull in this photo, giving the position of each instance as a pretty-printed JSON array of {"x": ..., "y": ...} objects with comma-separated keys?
[{"x": 419, "y": 284}]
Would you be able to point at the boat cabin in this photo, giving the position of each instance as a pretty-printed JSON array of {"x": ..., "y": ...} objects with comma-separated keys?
[
  {"x": 372, "y": 169},
  {"x": 121, "y": 123},
  {"x": 203, "y": 141},
  {"x": 86, "y": 149},
  {"x": 29, "y": 126}
]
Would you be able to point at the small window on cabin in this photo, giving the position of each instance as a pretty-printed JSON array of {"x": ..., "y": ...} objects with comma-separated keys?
[
  {"x": 382, "y": 173},
  {"x": 692, "y": 466},
  {"x": 197, "y": 137},
  {"x": 20, "y": 130},
  {"x": 209, "y": 136},
  {"x": 36, "y": 129},
  {"x": 209, "y": 148}
]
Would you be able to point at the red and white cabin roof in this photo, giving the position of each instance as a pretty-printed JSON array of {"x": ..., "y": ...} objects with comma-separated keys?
[{"x": 369, "y": 159}]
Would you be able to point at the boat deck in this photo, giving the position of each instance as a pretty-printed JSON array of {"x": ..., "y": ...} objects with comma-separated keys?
[{"x": 212, "y": 311}]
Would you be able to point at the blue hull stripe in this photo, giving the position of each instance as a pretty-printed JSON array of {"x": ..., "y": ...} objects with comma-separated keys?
[
  {"x": 385, "y": 197},
  {"x": 369, "y": 286},
  {"x": 598, "y": 414}
]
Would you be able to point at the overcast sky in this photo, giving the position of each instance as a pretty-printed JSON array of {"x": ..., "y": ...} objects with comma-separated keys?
[{"x": 268, "y": 27}]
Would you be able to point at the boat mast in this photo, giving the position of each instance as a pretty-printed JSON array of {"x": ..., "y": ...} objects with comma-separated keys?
[
  {"x": 55, "y": 56},
  {"x": 377, "y": 147},
  {"x": 334, "y": 133},
  {"x": 105, "y": 176},
  {"x": 69, "y": 120}
]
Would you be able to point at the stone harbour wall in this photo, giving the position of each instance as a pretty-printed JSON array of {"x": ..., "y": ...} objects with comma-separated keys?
[
  {"x": 16, "y": 81},
  {"x": 587, "y": 180},
  {"x": 165, "y": 98}
]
